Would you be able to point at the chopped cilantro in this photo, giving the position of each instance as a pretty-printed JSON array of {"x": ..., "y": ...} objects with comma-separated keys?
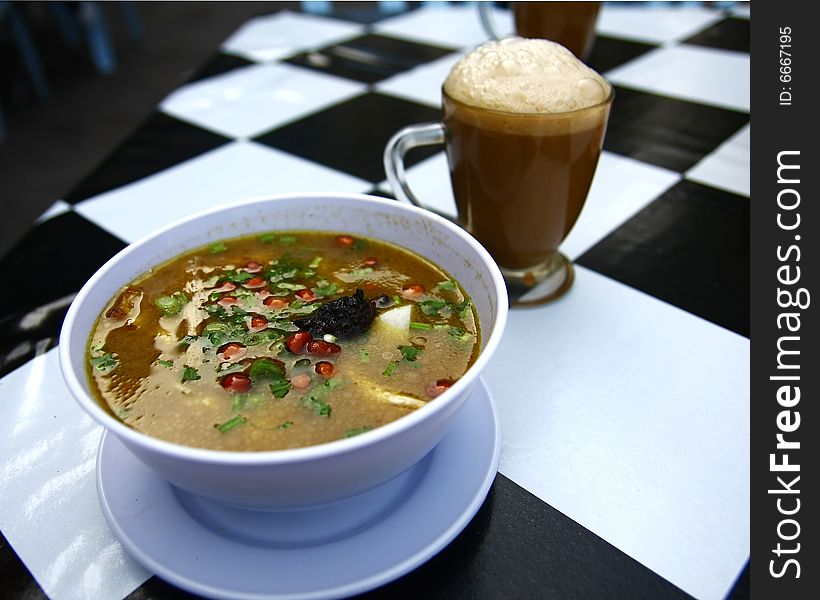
[
  {"x": 265, "y": 368},
  {"x": 290, "y": 286},
  {"x": 432, "y": 307},
  {"x": 357, "y": 431},
  {"x": 315, "y": 399},
  {"x": 364, "y": 356},
  {"x": 280, "y": 388},
  {"x": 360, "y": 244},
  {"x": 236, "y": 276},
  {"x": 231, "y": 424},
  {"x": 424, "y": 326},
  {"x": 190, "y": 374},
  {"x": 410, "y": 353},
  {"x": 165, "y": 363},
  {"x": 287, "y": 240},
  {"x": 285, "y": 425},
  {"x": 267, "y": 238},
  {"x": 315, "y": 262},
  {"x": 105, "y": 363},
  {"x": 325, "y": 289},
  {"x": 390, "y": 368},
  {"x": 187, "y": 341},
  {"x": 217, "y": 247},
  {"x": 448, "y": 286}
]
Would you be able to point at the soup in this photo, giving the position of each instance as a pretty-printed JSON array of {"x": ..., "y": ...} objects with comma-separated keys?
[{"x": 280, "y": 340}]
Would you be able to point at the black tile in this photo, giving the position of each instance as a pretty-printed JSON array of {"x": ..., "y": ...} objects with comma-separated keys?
[
  {"x": 608, "y": 53},
  {"x": 159, "y": 142},
  {"x": 15, "y": 580},
  {"x": 690, "y": 248},
  {"x": 369, "y": 58},
  {"x": 741, "y": 590},
  {"x": 516, "y": 547},
  {"x": 50, "y": 264},
  {"x": 728, "y": 34},
  {"x": 670, "y": 133},
  {"x": 351, "y": 136},
  {"x": 217, "y": 65}
]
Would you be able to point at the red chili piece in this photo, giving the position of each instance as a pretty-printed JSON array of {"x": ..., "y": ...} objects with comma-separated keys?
[
  {"x": 259, "y": 322},
  {"x": 232, "y": 350},
  {"x": 254, "y": 282},
  {"x": 253, "y": 267},
  {"x": 274, "y": 302},
  {"x": 414, "y": 290},
  {"x": 325, "y": 369},
  {"x": 306, "y": 295},
  {"x": 435, "y": 389},
  {"x": 322, "y": 347},
  {"x": 296, "y": 341},
  {"x": 345, "y": 241},
  {"x": 238, "y": 383},
  {"x": 370, "y": 261},
  {"x": 226, "y": 301}
]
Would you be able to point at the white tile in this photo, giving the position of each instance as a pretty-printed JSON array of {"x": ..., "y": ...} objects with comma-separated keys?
[
  {"x": 654, "y": 24},
  {"x": 251, "y": 100},
  {"x": 706, "y": 75},
  {"x": 742, "y": 10},
  {"x": 231, "y": 172},
  {"x": 430, "y": 182},
  {"x": 728, "y": 166},
  {"x": 444, "y": 25},
  {"x": 422, "y": 84},
  {"x": 58, "y": 208},
  {"x": 632, "y": 418},
  {"x": 622, "y": 186},
  {"x": 49, "y": 510},
  {"x": 285, "y": 33}
]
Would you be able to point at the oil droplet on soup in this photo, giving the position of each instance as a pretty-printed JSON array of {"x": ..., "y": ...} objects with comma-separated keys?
[{"x": 280, "y": 340}]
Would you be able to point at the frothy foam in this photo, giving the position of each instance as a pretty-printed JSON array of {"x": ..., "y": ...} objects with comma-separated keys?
[{"x": 525, "y": 76}]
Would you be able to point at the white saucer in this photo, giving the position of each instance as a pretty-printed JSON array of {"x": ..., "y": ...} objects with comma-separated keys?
[{"x": 329, "y": 552}]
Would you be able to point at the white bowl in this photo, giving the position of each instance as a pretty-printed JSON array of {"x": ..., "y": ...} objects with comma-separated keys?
[{"x": 315, "y": 475}]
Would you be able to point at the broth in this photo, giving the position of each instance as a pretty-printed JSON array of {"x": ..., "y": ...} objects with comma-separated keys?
[{"x": 280, "y": 340}]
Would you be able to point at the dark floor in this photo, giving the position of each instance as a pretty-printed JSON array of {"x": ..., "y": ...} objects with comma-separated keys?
[{"x": 50, "y": 146}]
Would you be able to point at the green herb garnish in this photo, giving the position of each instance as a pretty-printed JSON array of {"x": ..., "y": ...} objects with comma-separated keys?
[
  {"x": 315, "y": 399},
  {"x": 357, "y": 431},
  {"x": 325, "y": 289},
  {"x": 446, "y": 285},
  {"x": 231, "y": 424},
  {"x": 364, "y": 356},
  {"x": 285, "y": 425},
  {"x": 190, "y": 374},
  {"x": 172, "y": 305},
  {"x": 410, "y": 353},
  {"x": 217, "y": 247},
  {"x": 267, "y": 238},
  {"x": 417, "y": 325},
  {"x": 287, "y": 240},
  {"x": 187, "y": 341},
  {"x": 165, "y": 363},
  {"x": 315, "y": 262},
  {"x": 280, "y": 388},
  {"x": 265, "y": 368},
  {"x": 105, "y": 363},
  {"x": 432, "y": 307},
  {"x": 390, "y": 368}
]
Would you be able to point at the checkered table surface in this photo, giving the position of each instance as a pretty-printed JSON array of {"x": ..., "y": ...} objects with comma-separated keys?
[{"x": 624, "y": 469}]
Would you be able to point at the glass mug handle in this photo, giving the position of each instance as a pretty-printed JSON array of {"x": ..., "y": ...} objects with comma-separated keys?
[
  {"x": 487, "y": 20},
  {"x": 412, "y": 136}
]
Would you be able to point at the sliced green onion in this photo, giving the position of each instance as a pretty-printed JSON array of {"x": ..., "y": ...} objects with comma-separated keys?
[
  {"x": 231, "y": 424},
  {"x": 417, "y": 325}
]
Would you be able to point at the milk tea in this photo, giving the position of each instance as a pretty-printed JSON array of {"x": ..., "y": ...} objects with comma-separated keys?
[{"x": 525, "y": 122}]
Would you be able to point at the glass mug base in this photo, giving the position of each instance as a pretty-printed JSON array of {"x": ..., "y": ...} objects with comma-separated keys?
[{"x": 540, "y": 284}]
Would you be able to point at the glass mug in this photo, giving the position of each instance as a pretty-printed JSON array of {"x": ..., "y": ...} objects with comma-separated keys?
[
  {"x": 571, "y": 24},
  {"x": 520, "y": 181}
]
